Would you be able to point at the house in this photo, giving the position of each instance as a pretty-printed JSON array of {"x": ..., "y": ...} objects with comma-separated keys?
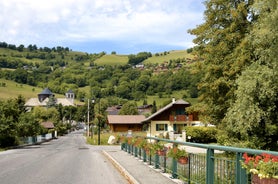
[
  {"x": 47, "y": 125},
  {"x": 44, "y": 97},
  {"x": 123, "y": 123},
  {"x": 171, "y": 118}
]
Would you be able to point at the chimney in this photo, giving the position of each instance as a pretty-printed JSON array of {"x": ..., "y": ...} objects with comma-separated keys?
[{"x": 173, "y": 100}]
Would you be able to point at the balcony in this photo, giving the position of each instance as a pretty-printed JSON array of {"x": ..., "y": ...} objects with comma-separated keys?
[{"x": 181, "y": 118}]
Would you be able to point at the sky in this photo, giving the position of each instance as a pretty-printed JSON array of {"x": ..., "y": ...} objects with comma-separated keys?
[{"x": 93, "y": 26}]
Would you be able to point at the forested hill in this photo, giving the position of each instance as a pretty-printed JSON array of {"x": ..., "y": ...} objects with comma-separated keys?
[{"x": 102, "y": 75}]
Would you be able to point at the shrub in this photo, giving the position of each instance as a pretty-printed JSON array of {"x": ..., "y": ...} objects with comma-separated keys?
[{"x": 202, "y": 134}]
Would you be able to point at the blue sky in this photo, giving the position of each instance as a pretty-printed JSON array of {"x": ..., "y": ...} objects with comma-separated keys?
[{"x": 93, "y": 26}]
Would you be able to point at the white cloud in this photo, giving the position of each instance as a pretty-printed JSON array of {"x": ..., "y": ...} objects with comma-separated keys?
[{"x": 145, "y": 21}]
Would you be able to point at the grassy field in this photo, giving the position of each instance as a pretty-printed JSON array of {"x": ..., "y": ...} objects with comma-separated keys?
[
  {"x": 105, "y": 136},
  {"x": 21, "y": 56},
  {"x": 12, "y": 90},
  {"x": 161, "y": 102},
  {"x": 172, "y": 55},
  {"x": 112, "y": 60}
]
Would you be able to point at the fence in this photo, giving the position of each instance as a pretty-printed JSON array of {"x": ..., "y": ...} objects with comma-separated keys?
[
  {"x": 208, "y": 167},
  {"x": 35, "y": 139}
]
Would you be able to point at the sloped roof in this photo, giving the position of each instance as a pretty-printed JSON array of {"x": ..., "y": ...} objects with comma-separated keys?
[
  {"x": 70, "y": 91},
  {"x": 177, "y": 102},
  {"x": 64, "y": 102},
  {"x": 32, "y": 102},
  {"x": 125, "y": 119},
  {"x": 47, "y": 124},
  {"x": 46, "y": 91}
]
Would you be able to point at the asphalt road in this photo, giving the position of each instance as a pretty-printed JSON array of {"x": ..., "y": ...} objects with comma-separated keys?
[{"x": 66, "y": 160}]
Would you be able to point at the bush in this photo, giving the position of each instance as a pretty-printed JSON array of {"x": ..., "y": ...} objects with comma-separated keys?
[
  {"x": 7, "y": 141},
  {"x": 202, "y": 134}
]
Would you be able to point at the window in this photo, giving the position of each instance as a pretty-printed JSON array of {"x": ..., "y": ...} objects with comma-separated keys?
[
  {"x": 179, "y": 127},
  {"x": 161, "y": 127}
]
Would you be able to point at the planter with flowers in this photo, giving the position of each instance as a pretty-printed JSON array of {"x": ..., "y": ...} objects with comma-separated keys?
[
  {"x": 264, "y": 168},
  {"x": 179, "y": 154},
  {"x": 158, "y": 148}
]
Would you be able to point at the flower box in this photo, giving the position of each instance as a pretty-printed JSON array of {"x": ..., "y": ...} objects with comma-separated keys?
[
  {"x": 257, "y": 180},
  {"x": 183, "y": 160}
]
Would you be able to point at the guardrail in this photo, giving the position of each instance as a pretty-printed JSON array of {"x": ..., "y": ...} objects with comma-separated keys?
[
  {"x": 208, "y": 167},
  {"x": 35, "y": 139}
]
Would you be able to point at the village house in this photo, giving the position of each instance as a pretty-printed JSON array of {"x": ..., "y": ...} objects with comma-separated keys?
[
  {"x": 123, "y": 123},
  {"x": 171, "y": 118}
]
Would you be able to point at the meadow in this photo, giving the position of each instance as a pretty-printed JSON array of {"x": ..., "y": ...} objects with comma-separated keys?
[{"x": 11, "y": 90}]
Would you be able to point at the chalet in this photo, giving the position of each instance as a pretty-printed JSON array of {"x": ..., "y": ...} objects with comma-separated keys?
[
  {"x": 171, "y": 118},
  {"x": 123, "y": 123}
]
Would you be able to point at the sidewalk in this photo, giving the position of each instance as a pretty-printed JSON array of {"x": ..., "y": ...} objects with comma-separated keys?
[{"x": 136, "y": 171}]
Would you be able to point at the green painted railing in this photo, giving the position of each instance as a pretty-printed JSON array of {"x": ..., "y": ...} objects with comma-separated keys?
[{"x": 202, "y": 168}]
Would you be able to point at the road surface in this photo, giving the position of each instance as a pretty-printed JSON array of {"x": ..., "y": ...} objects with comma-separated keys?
[{"x": 66, "y": 160}]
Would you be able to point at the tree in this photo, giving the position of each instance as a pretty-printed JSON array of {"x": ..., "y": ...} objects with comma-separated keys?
[
  {"x": 8, "y": 123},
  {"x": 129, "y": 108},
  {"x": 252, "y": 119},
  {"x": 20, "y": 48},
  {"x": 154, "y": 108},
  {"x": 28, "y": 126},
  {"x": 217, "y": 39}
]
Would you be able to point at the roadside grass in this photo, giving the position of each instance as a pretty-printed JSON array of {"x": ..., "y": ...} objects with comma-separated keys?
[
  {"x": 2, "y": 149},
  {"x": 112, "y": 59},
  {"x": 93, "y": 140}
]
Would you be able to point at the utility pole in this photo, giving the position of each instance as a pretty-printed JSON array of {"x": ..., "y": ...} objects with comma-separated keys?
[
  {"x": 88, "y": 115},
  {"x": 99, "y": 123}
]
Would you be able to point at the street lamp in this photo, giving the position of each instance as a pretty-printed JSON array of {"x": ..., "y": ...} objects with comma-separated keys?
[{"x": 88, "y": 116}]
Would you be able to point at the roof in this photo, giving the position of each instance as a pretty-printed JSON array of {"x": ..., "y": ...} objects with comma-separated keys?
[
  {"x": 47, "y": 124},
  {"x": 32, "y": 102},
  {"x": 125, "y": 119},
  {"x": 70, "y": 91},
  {"x": 177, "y": 102},
  {"x": 46, "y": 91}
]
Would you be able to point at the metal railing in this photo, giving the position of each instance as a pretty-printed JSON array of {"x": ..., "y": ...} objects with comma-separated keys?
[
  {"x": 202, "y": 168},
  {"x": 35, "y": 139}
]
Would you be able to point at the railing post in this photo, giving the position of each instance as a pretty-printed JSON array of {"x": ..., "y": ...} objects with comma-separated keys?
[
  {"x": 241, "y": 176},
  {"x": 144, "y": 156},
  {"x": 140, "y": 152},
  {"x": 129, "y": 148},
  {"x": 210, "y": 166},
  {"x": 156, "y": 161},
  {"x": 136, "y": 152},
  {"x": 174, "y": 168}
]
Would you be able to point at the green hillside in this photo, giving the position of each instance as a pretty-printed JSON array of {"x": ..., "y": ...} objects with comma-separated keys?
[
  {"x": 112, "y": 59},
  {"x": 25, "y": 69},
  {"x": 10, "y": 89},
  {"x": 167, "y": 56}
]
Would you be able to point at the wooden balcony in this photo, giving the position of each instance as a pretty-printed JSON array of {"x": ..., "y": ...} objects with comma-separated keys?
[{"x": 181, "y": 117}]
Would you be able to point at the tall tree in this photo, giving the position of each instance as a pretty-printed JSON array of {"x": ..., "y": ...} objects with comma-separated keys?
[
  {"x": 226, "y": 25},
  {"x": 129, "y": 108},
  {"x": 252, "y": 119}
]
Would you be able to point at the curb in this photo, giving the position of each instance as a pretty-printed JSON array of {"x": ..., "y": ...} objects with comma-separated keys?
[{"x": 122, "y": 170}]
